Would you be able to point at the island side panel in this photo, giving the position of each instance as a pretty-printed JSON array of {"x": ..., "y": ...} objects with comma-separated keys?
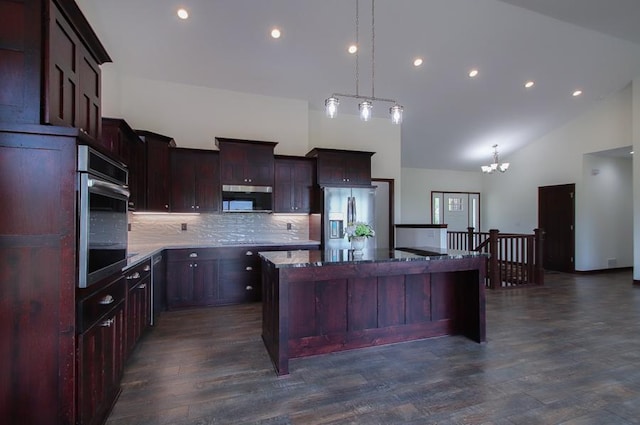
[{"x": 275, "y": 318}]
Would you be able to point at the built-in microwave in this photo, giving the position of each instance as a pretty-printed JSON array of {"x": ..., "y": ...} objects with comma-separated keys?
[
  {"x": 102, "y": 216},
  {"x": 238, "y": 198}
]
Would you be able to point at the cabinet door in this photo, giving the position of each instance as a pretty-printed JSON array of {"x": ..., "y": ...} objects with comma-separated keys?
[
  {"x": 207, "y": 182},
  {"x": 259, "y": 166},
  {"x": 283, "y": 191},
  {"x": 89, "y": 118},
  {"x": 64, "y": 75},
  {"x": 182, "y": 181},
  {"x": 138, "y": 311},
  {"x": 302, "y": 186},
  {"x": 244, "y": 162},
  {"x": 100, "y": 366},
  {"x": 192, "y": 283},
  {"x": 158, "y": 194}
]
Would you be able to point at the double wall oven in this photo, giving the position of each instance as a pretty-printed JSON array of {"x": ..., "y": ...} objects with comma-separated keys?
[{"x": 102, "y": 222}]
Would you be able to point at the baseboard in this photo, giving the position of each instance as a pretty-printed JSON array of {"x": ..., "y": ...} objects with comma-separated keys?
[{"x": 600, "y": 271}]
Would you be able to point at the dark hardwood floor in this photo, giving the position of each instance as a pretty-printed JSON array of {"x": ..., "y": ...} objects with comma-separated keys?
[{"x": 565, "y": 353}]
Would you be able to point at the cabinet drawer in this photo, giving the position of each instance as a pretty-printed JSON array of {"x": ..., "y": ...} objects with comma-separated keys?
[
  {"x": 193, "y": 254},
  {"x": 98, "y": 305},
  {"x": 138, "y": 273}
]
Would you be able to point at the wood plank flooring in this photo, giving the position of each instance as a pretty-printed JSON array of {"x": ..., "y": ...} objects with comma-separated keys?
[{"x": 565, "y": 353}]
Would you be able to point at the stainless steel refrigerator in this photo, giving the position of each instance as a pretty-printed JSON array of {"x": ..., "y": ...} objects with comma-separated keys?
[{"x": 343, "y": 206}]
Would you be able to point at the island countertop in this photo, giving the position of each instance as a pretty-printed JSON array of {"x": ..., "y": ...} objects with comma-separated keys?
[
  {"x": 321, "y": 301},
  {"x": 318, "y": 258}
]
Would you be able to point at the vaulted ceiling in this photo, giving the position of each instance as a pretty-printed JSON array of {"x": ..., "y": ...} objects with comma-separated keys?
[{"x": 451, "y": 120}]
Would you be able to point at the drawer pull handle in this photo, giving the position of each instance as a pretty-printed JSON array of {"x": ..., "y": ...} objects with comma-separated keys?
[
  {"x": 147, "y": 268},
  {"x": 248, "y": 253},
  {"x": 248, "y": 268},
  {"x": 107, "y": 323},
  {"x": 249, "y": 288},
  {"x": 195, "y": 265},
  {"x": 106, "y": 300},
  {"x": 193, "y": 255},
  {"x": 144, "y": 285},
  {"x": 136, "y": 275}
]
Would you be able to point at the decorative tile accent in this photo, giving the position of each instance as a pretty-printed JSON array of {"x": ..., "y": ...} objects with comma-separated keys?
[{"x": 217, "y": 228}]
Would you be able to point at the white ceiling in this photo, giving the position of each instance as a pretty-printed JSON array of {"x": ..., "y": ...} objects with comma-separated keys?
[{"x": 451, "y": 121}]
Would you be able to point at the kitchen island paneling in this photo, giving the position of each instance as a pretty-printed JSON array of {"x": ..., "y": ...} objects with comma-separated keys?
[{"x": 317, "y": 302}]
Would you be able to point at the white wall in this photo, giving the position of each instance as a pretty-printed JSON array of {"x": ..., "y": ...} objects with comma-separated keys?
[
  {"x": 603, "y": 239},
  {"x": 194, "y": 115},
  {"x": 417, "y": 184},
  {"x": 635, "y": 117},
  {"x": 511, "y": 200}
]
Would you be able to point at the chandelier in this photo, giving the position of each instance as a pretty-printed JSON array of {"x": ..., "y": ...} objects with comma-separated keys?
[
  {"x": 366, "y": 104},
  {"x": 496, "y": 165}
]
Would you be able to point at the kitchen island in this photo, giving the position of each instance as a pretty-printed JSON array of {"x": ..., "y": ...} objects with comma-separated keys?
[{"x": 317, "y": 302}]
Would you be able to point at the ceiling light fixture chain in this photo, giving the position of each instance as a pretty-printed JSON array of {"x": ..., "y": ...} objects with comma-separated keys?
[
  {"x": 496, "y": 165},
  {"x": 366, "y": 106},
  {"x": 357, "y": 48}
]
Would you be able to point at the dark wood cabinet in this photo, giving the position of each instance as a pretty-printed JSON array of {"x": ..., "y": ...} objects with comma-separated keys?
[
  {"x": 239, "y": 275},
  {"x": 138, "y": 309},
  {"x": 158, "y": 194},
  {"x": 192, "y": 278},
  {"x": 294, "y": 184},
  {"x": 38, "y": 269},
  {"x": 51, "y": 61},
  {"x": 216, "y": 276},
  {"x": 337, "y": 167},
  {"x": 101, "y": 348},
  {"x": 195, "y": 180},
  {"x": 246, "y": 162},
  {"x": 119, "y": 139}
]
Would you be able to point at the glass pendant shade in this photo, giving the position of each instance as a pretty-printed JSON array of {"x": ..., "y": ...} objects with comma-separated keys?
[
  {"x": 365, "y": 110},
  {"x": 396, "y": 114},
  {"x": 331, "y": 107}
]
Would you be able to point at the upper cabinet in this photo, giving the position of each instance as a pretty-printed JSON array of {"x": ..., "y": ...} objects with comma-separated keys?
[
  {"x": 119, "y": 139},
  {"x": 195, "y": 180},
  {"x": 51, "y": 61},
  {"x": 246, "y": 162},
  {"x": 158, "y": 195},
  {"x": 294, "y": 184},
  {"x": 337, "y": 167}
]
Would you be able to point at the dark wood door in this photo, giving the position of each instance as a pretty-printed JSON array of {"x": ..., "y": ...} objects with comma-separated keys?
[
  {"x": 158, "y": 194},
  {"x": 100, "y": 366},
  {"x": 556, "y": 217},
  {"x": 192, "y": 283},
  {"x": 182, "y": 181},
  {"x": 207, "y": 181},
  {"x": 137, "y": 312}
]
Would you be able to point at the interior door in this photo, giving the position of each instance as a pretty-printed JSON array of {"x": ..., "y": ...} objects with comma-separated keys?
[{"x": 556, "y": 216}]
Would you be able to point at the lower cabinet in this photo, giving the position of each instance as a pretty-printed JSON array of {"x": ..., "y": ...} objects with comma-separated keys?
[
  {"x": 101, "y": 357},
  {"x": 192, "y": 278},
  {"x": 216, "y": 276},
  {"x": 138, "y": 303}
]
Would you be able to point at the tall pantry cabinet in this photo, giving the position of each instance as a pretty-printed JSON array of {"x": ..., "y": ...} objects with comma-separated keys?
[{"x": 49, "y": 103}]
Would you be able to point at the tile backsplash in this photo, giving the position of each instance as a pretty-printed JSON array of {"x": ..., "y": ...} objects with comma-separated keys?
[{"x": 217, "y": 228}]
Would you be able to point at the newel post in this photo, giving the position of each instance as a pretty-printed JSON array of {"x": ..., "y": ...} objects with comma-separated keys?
[
  {"x": 494, "y": 268},
  {"x": 539, "y": 271},
  {"x": 470, "y": 246}
]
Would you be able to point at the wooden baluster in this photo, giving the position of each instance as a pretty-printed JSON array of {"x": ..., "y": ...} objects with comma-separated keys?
[
  {"x": 539, "y": 274},
  {"x": 494, "y": 271}
]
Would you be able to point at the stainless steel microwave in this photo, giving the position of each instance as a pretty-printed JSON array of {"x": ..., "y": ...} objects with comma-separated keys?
[{"x": 238, "y": 198}]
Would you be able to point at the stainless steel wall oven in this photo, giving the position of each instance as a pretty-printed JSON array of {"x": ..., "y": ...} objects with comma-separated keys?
[{"x": 102, "y": 216}]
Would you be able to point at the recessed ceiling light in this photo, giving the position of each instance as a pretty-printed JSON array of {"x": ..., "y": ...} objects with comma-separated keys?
[
  {"x": 275, "y": 33},
  {"x": 182, "y": 13},
  {"x": 577, "y": 93},
  {"x": 417, "y": 62},
  {"x": 473, "y": 73},
  {"x": 352, "y": 49},
  {"x": 529, "y": 84}
]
